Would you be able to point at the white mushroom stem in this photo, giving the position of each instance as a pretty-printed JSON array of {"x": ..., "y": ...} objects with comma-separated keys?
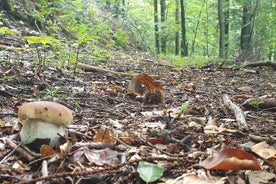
[{"x": 41, "y": 130}]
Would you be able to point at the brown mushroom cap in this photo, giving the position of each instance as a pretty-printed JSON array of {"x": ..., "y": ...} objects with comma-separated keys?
[{"x": 49, "y": 112}]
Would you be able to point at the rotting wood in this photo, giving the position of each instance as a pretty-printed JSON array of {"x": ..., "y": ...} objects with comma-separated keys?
[{"x": 240, "y": 117}]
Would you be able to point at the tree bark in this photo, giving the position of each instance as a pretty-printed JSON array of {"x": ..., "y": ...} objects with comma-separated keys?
[
  {"x": 226, "y": 27},
  {"x": 156, "y": 27},
  {"x": 163, "y": 23},
  {"x": 248, "y": 18},
  {"x": 221, "y": 29},
  {"x": 246, "y": 30},
  {"x": 5, "y": 5},
  {"x": 177, "y": 24},
  {"x": 184, "y": 44}
]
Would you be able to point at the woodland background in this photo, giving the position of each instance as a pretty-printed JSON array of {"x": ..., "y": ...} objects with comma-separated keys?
[
  {"x": 232, "y": 30},
  {"x": 214, "y": 62}
]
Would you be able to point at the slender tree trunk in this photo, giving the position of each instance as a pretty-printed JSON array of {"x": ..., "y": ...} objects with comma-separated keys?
[
  {"x": 226, "y": 26},
  {"x": 177, "y": 24},
  {"x": 196, "y": 28},
  {"x": 207, "y": 31},
  {"x": 184, "y": 44},
  {"x": 156, "y": 27},
  {"x": 221, "y": 29},
  {"x": 163, "y": 23}
]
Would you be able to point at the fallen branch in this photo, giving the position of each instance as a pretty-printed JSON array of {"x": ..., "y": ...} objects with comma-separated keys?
[
  {"x": 261, "y": 63},
  {"x": 91, "y": 68},
  {"x": 240, "y": 117}
]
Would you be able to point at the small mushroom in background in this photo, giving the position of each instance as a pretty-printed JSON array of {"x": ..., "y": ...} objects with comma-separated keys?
[{"x": 43, "y": 120}]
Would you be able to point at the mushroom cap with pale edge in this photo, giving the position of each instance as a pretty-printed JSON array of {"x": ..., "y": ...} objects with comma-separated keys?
[{"x": 45, "y": 111}]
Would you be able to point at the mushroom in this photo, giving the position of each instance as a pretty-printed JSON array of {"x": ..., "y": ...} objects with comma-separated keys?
[{"x": 43, "y": 120}]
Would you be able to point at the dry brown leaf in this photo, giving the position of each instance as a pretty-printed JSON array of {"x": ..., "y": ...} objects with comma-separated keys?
[
  {"x": 127, "y": 138},
  {"x": 115, "y": 88},
  {"x": 46, "y": 150},
  {"x": 265, "y": 151},
  {"x": 192, "y": 178},
  {"x": 103, "y": 135},
  {"x": 231, "y": 159},
  {"x": 99, "y": 157},
  {"x": 64, "y": 148},
  {"x": 244, "y": 88}
]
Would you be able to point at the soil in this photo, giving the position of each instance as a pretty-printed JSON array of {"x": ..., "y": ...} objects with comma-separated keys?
[{"x": 133, "y": 130}]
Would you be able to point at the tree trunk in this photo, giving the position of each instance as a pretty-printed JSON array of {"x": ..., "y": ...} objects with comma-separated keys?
[
  {"x": 206, "y": 53},
  {"x": 163, "y": 23},
  {"x": 248, "y": 19},
  {"x": 156, "y": 27},
  {"x": 226, "y": 27},
  {"x": 184, "y": 45},
  {"x": 5, "y": 5},
  {"x": 177, "y": 24},
  {"x": 221, "y": 29},
  {"x": 196, "y": 29},
  {"x": 246, "y": 30}
]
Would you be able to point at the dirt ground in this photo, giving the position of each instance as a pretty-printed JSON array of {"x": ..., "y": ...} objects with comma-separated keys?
[{"x": 133, "y": 131}]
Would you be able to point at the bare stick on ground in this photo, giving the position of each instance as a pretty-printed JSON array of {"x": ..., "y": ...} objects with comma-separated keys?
[{"x": 240, "y": 117}]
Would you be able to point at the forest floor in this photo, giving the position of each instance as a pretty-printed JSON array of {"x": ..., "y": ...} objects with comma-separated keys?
[{"x": 111, "y": 132}]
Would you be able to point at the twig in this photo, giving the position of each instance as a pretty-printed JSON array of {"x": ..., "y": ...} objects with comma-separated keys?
[
  {"x": 240, "y": 117},
  {"x": 108, "y": 169},
  {"x": 10, "y": 153},
  {"x": 21, "y": 151}
]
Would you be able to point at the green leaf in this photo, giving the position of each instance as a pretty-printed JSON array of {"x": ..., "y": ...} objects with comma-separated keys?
[
  {"x": 184, "y": 107},
  {"x": 42, "y": 39},
  {"x": 5, "y": 30},
  {"x": 256, "y": 102},
  {"x": 149, "y": 172}
]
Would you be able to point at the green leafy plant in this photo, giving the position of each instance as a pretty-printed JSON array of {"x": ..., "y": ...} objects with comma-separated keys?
[
  {"x": 45, "y": 42},
  {"x": 121, "y": 37},
  {"x": 183, "y": 108},
  {"x": 149, "y": 172}
]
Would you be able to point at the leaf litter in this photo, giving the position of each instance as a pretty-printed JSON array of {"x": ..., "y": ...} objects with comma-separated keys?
[{"x": 113, "y": 132}]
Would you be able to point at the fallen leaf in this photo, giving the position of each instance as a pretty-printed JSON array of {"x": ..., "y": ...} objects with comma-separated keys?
[
  {"x": 99, "y": 157},
  {"x": 46, "y": 150},
  {"x": 149, "y": 172},
  {"x": 265, "y": 151},
  {"x": 115, "y": 88},
  {"x": 231, "y": 159},
  {"x": 244, "y": 88},
  {"x": 103, "y": 135},
  {"x": 258, "y": 177},
  {"x": 191, "y": 178}
]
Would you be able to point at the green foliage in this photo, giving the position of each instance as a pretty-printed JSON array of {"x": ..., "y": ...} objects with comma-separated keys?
[
  {"x": 5, "y": 30},
  {"x": 184, "y": 107},
  {"x": 149, "y": 172},
  {"x": 121, "y": 37},
  {"x": 45, "y": 40},
  {"x": 195, "y": 61},
  {"x": 257, "y": 102}
]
